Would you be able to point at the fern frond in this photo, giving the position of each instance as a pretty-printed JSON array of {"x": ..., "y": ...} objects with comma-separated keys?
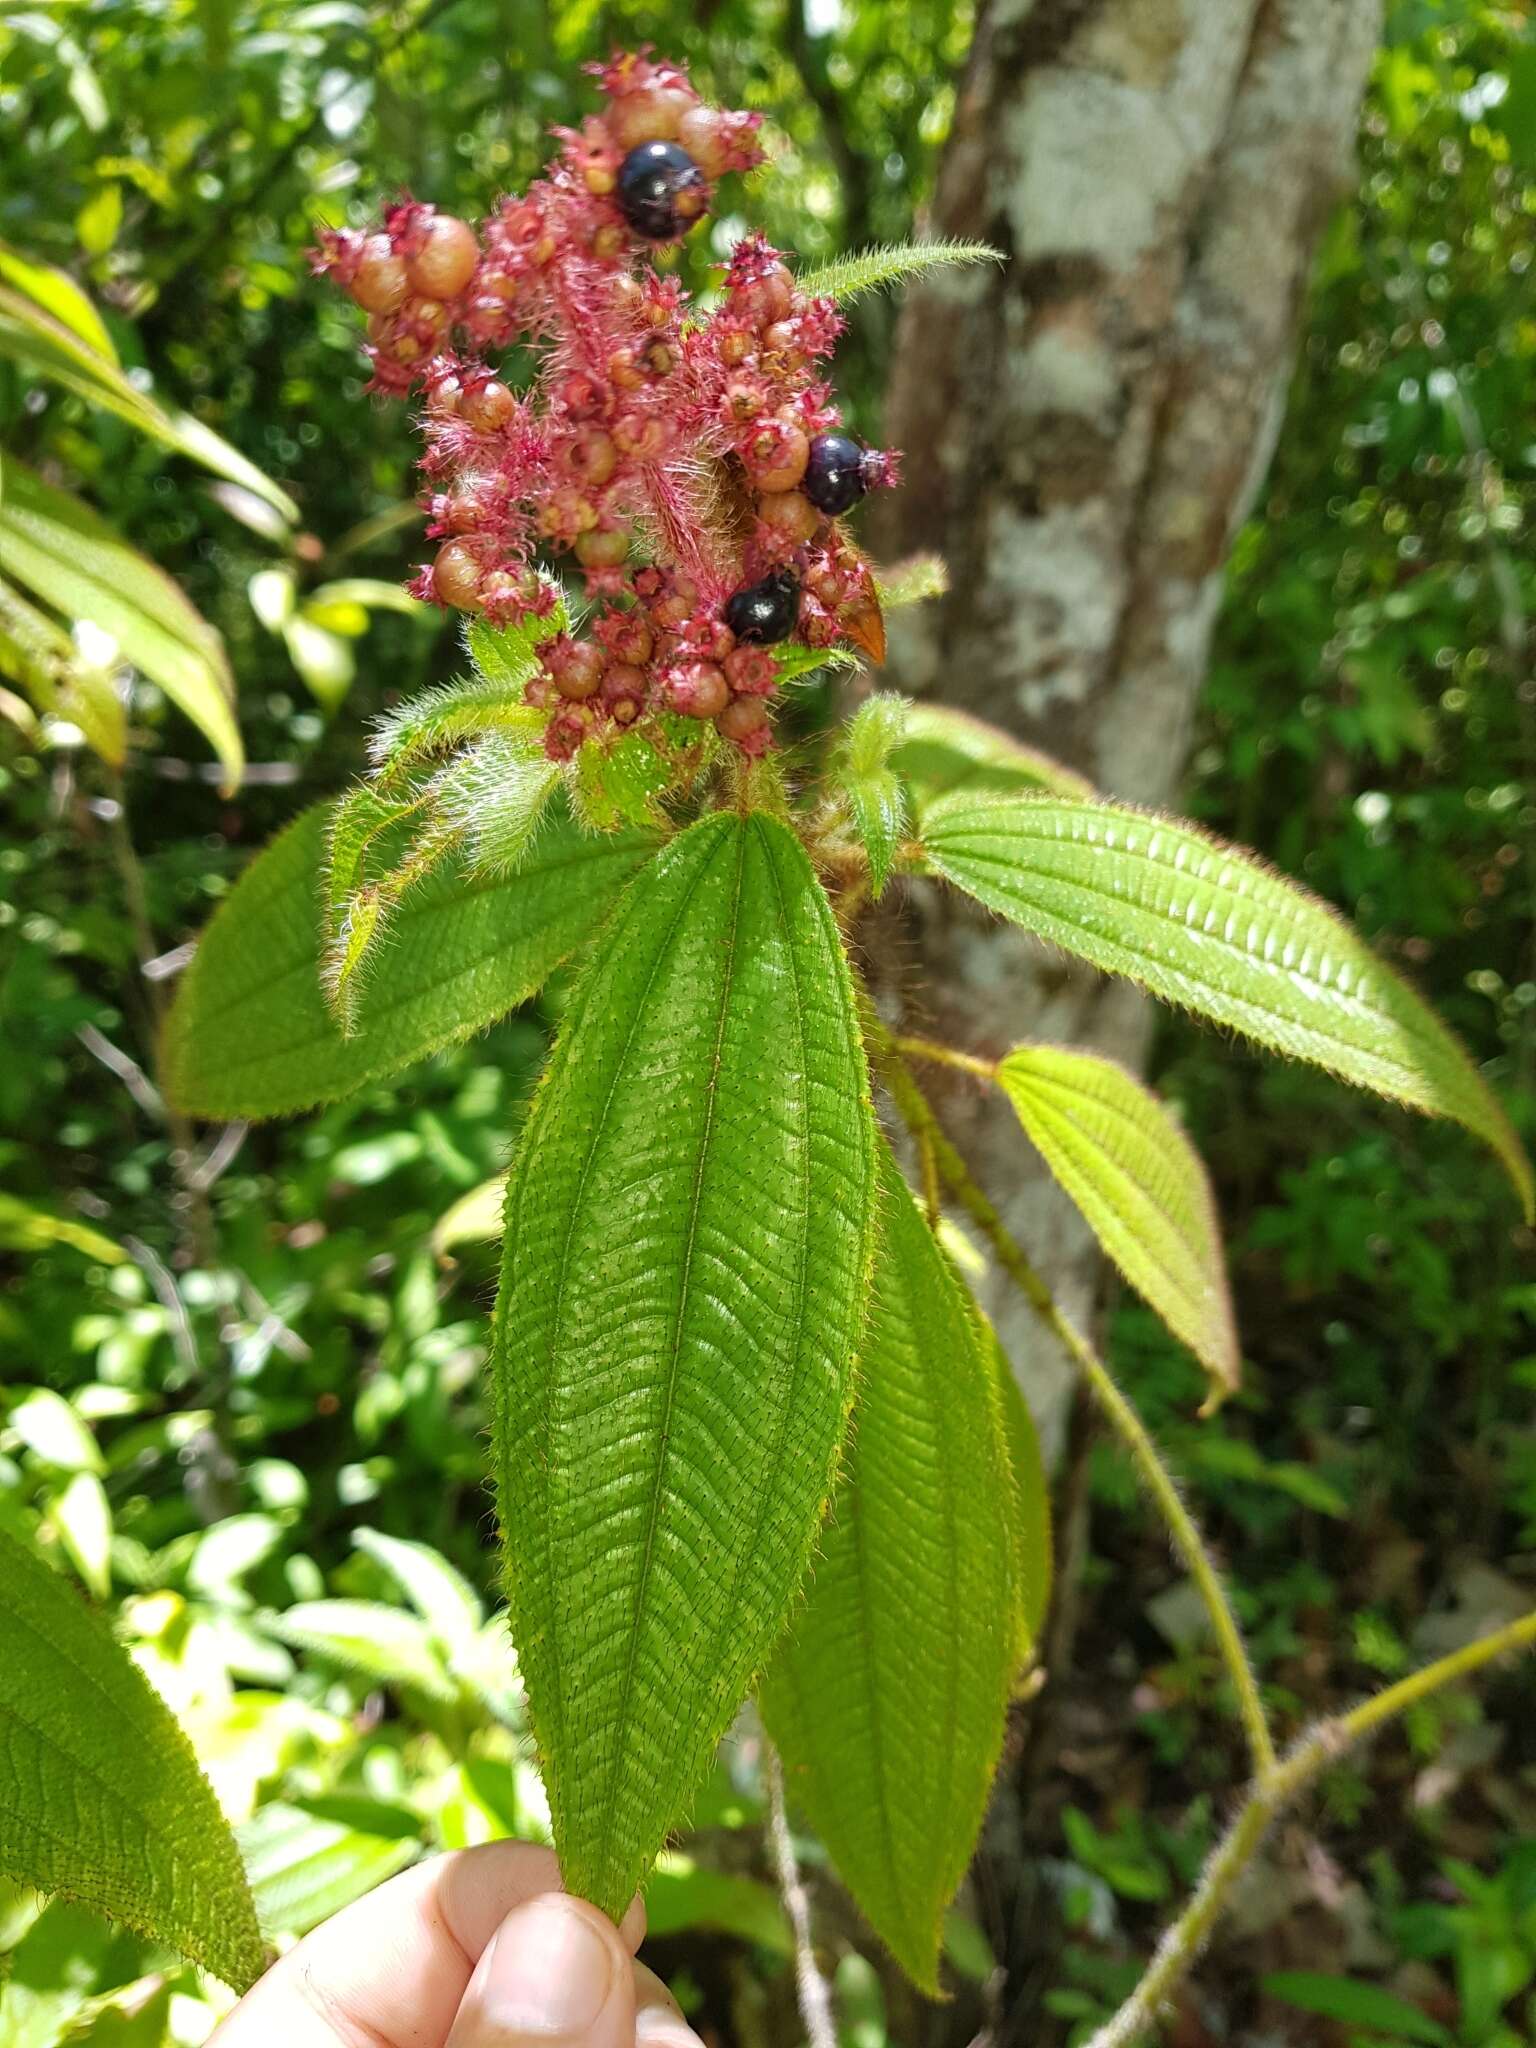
[{"x": 873, "y": 270}]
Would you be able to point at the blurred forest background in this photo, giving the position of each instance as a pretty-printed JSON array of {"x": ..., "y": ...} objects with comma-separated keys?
[{"x": 240, "y": 1369}]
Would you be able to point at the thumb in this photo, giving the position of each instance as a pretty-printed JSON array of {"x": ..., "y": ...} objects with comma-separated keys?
[{"x": 555, "y": 1973}]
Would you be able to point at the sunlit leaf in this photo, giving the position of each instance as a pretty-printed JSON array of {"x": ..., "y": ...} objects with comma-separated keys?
[
  {"x": 944, "y": 749},
  {"x": 377, "y": 1644},
  {"x": 684, "y": 1262},
  {"x": 60, "y": 549},
  {"x": 99, "y": 1794},
  {"x": 1207, "y": 926},
  {"x": 888, "y": 1695},
  {"x": 1140, "y": 1184},
  {"x": 304, "y": 1865}
]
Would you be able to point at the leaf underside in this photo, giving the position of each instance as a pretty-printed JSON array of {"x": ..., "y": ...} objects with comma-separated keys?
[
  {"x": 1141, "y": 1185},
  {"x": 1204, "y": 925},
  {"x": 100, "y": 1795},
  {"x": 1032, "y": 1489},
  {"x": 685, "y": 1260},
  {"x": 250, "y": 1034},
  {"x": 887, "y": 1697}
]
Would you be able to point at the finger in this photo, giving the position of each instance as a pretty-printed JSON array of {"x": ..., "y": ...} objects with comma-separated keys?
[
  {"x": 659, "y": 2021},
  {"x": 556, "y": 1975},
  {"x": 391, "y": 1969}
]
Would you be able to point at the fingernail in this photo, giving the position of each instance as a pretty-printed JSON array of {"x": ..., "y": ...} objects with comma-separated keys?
[{"x": 550, "y": 1971}]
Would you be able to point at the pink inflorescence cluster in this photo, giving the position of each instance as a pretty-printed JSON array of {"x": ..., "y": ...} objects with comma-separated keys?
[{"x": 694, "y": 467}]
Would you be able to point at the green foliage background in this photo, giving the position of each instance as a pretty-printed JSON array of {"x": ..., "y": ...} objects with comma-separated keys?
[{"x": 273, "y": 1387}]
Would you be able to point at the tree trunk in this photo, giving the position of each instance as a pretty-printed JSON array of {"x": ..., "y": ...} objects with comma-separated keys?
[{"x": 1084, "y": 428}]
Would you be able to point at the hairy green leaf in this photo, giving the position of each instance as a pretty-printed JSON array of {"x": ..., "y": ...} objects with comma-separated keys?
[
  {"x": 944, "y": 750},
  {"x": 876, "y": 798},
  {"x": 495, "y": 797},
  {"x": 888, "y": 1695},
  {"x": 1032, "y": 1489},
  {"x": 60, "y": 549},
  {"x": 684, "y": 1264},
  {"x": 1205, "y": 925},
  {"x": 250, "y": 1034},
  {"x": 100, "y": 1795},
  {"x": 873, "y": 270},
  {"x": 438, "y": 720},
  {"x": 508, "y": 655},
  {"x": 1140, "y": 1184},
  {"x": 912, "y": 581}
]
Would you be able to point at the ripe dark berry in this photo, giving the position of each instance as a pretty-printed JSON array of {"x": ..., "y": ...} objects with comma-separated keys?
[
  {"x": 661, "y": 190},
  {"x": 834, "y": 477},
  {"x": 765, "y": 612}
]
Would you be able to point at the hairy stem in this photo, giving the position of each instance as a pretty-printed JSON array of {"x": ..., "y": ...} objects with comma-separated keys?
[
  {"x": 946, "y": 1056},
  {"x": 1320, "y": 1746},
  {"x": 815, "y": 2000},
  {"x": 1117, "y": 1410}
]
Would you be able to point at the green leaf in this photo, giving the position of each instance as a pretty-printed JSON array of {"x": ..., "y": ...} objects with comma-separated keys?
[
  {"x": 619, "y": 783},
  {"x": 912, "y": 581},
  {"x": 945, "y": 750},
  {"x": 99, "y": 1793},
  {"x": 24, "y": 1228},
  {"x": 52, "y": 1431},
  {"x": 687, "y": 1241},
  {"x": 876, "y": 798},
  {"x": 1354, "y": 2004},
  {"x": 1032, "y": 1489},
  {"x": 508, "y": 655},
  {"x": 684, "y": 1896},
  {"x": 872, "y": 270},
  {"x": 57, "y": 294},
  {"x": 37, "y": 651},
  {"x": 60, "y": 549},
  {"x": 475, "y": 1218},
  {"x": 304, "y": 1866},
  {"x": 496, "y": 796},
  {"x": 82, "y": 1518},
  {"x": 250, "y": 1034},
  {"x": 438, "y": 720},
  {"x": 378, "y": 1644},
  {"x": 443, "y": 1597},
  {"x": 1140, "y": 1185},
  {"x": 1207, "y": 926},
  {"x": 887, "y": 1698}
]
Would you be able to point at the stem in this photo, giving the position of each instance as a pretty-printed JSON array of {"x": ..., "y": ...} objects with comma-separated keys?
[
  {"x": 1118, "y": 1411},
  {"x": 1321, "y": 1746},
  {"x": 945, "y": 1056},
  {"x": 811, "y": 1990}
]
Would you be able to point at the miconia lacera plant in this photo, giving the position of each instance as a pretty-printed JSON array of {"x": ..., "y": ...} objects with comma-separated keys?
[{"x": 750, "y": 1429}]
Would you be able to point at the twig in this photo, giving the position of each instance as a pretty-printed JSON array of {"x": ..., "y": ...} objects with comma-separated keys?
[
  {"x": 810, "y": 1986},
  {"x": 1118, "y": 1411},
  {"x": 1182, "y": 1942},
  {"x": 128, "y": 1071}
]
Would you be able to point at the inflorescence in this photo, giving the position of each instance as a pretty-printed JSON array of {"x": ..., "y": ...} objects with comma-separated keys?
[{"x": 693, "y": 464}]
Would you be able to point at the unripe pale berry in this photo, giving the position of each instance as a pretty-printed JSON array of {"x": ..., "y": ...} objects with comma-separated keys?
[
  {"x": 380, "y": 282},
  {"x": 580, "y": 674},
  {"x": 788, "y": 513},
  {"x": 696, "y": 690},
  {"x": 446, "y": 260},
  {"x": 488, "y": 407},
  {"x": 706, "y": 139},
  {"x": 623, "y": 683},
  {"x": 653, "y": 114},
  {"x": 456, "y": 577},
  {"x": 776, "y": 456},
  {"x": 745, "y": 720},
  {"x": 593, "y": 455},
  {"x": 602, "y": 548},
  {"x": 642, "y": 435},
  {"x": 750, "y": 671}
]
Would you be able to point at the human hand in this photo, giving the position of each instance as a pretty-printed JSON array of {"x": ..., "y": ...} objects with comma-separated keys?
[{"x": 478, "y": 1949}]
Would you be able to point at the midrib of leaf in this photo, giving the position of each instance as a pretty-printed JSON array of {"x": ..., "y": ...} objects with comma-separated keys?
[
  {"x": 1157, "y": 1196},
  {"x": 518, "y": 1183},
  {"x": 675, "y": 1349}
]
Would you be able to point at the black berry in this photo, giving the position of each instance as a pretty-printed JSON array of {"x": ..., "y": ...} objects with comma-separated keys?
[
  {"x": 764, "y": 612},
  {"x": 834, "y": 476},
  {"x": 661, "y": 190}
]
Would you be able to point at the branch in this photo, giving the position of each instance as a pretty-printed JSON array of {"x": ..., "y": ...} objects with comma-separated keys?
[
  {"x": 810, "y": 1986},
  {"x": 1117, "y": 1410},
  {"x": 1182, "y": 1942}
]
